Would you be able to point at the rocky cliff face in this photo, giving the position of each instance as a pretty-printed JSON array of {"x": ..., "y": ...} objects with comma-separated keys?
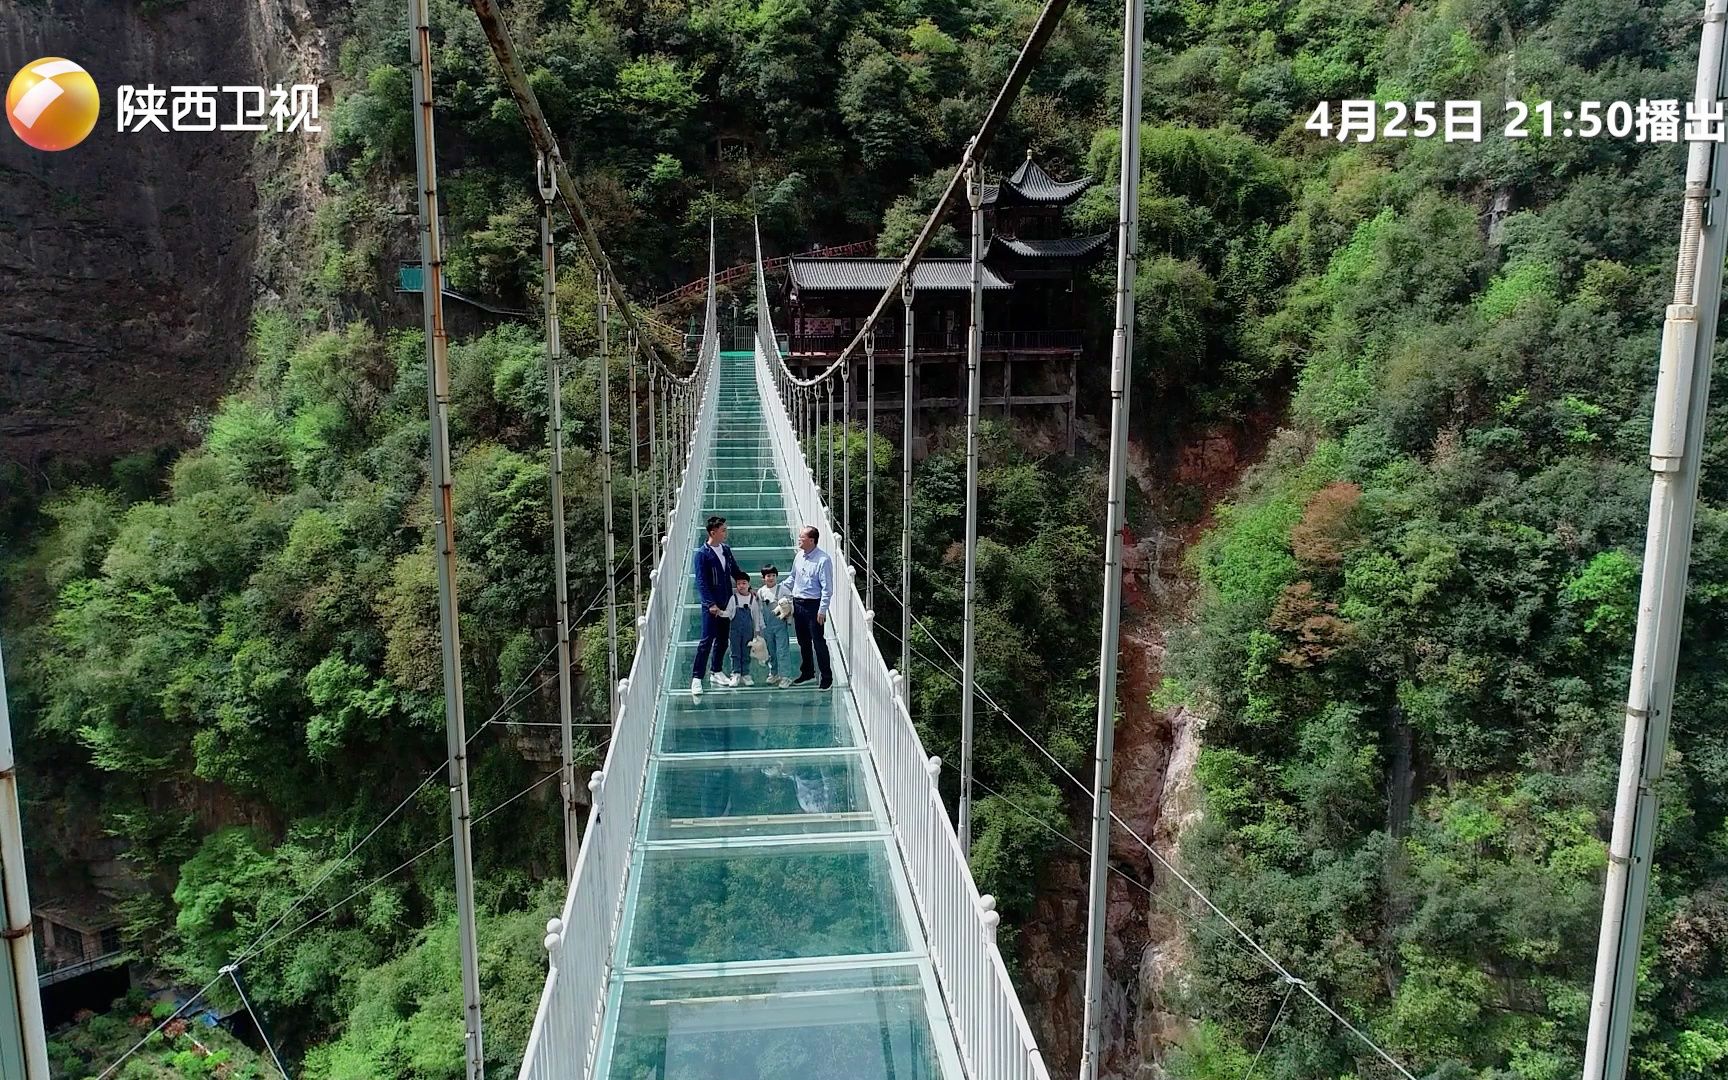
[
  {"x": 1155, "y": 793},
  {"x": 129, "y": 264}
]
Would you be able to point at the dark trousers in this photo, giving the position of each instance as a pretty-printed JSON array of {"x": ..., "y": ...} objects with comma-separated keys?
[
  {"x": 810, "y": 636},
  {"x": 714, "y": 633}
]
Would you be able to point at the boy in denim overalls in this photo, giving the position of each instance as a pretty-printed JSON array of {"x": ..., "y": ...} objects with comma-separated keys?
[
  {"x": 746, "y": 612},
  {"x": 776, "y": 628}
]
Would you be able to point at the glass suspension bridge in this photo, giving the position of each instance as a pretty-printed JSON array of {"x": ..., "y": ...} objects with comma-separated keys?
[{"x": 770, "y": 885}]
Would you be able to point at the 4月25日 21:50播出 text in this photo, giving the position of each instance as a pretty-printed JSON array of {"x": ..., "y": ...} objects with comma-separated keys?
[{"x": 1645, "y": 120}]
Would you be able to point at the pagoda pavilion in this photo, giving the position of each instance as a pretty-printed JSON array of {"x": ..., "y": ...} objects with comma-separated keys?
[{"x": 1032, "y": 313}]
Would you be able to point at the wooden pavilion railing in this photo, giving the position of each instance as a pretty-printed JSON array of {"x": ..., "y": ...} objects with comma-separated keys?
[{"x": 743, "y": 271}]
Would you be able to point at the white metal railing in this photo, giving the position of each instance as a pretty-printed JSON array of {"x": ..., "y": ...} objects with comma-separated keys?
[
  {"x": 572, "y": 1014},
  {"x": 995, "y": 1041}
]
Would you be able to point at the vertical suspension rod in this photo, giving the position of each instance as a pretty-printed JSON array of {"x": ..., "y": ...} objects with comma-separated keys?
[
  {"x": 654, "y": 520},
  {"x": 847, "y": 546},
  {"x": 869, "y": 473},
  {"x": 1115, "y": 520},
  {"x": 561, "y": 576},
  {"x": 25, "y": 1021},
  {"x": 1676, "y": 458},
  {"x": 603, "y": 289},
  {"x": 444, "y": 527},
  {"x": 906, "y": 503},
  {"x": 974, "y": 350},
  {"x": 635, "y": 492}
]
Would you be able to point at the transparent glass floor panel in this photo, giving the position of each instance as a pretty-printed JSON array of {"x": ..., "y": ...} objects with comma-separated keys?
[
  {"x": 684, "y": 664},
  {"x": 764, "y": 527},
  {"x": 868, "y": 1024},
  {"x": 722, "y": 723},
  {"x": 745, "y": 518},
  {"x": 724, "y": 905},
  {"x": 768, "y": 795}
]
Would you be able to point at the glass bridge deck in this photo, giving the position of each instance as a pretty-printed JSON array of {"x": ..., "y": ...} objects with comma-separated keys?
[{"x": 768, "y": 931}]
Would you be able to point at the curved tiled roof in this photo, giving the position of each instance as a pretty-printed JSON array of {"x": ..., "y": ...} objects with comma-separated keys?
[
  {"x": 1030, "y": 184},
  {"x": 875, "y": 275},
  {"x": 1068, "y": 247}
]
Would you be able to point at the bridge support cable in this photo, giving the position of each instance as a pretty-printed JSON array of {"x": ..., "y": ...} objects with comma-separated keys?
[
  {"x": 684, "y": 429},
  {"x": 665, "y": 447},
  {"x": 1029, "y": 57},
  {"x": 905, "y": 507},
  {"x": 444, "y": 525},
  {"x": 969, "y": 172},
  {"x": 561, "y": 573},
  {"x": 1040, "y": 35},
  {"x": 1676, "y": 458},
  {"x": 233, "y": 973},
  {"x": 682, "y": 390},
  {"x": 1115, "y": 521},
  {"x": 269, "y": 937},
  {"x": 974, "y": 391},
  {"x": 492, "y": 23}
]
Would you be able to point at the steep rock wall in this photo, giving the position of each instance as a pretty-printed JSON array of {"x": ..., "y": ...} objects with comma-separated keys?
[
  {"x": 129, "y": 268},
  {"x": 129, "y": 264},
  {"x": 1155, "y": 793}
]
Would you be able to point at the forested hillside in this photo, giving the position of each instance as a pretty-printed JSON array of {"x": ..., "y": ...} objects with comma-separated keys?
[
  {"x": 1411, "y": 645},
  {"x": 1413, "y": 617}
]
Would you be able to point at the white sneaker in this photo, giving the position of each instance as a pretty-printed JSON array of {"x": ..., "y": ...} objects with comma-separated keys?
[
  {"x": 719, "y": 679},
  {"x": 748, "y": 681},
  {"x": 696, "y": 687},
  {"x": 782, "y": 681}
]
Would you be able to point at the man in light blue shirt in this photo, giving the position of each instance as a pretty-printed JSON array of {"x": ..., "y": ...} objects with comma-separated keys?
[{"x": 812, "y": 590}]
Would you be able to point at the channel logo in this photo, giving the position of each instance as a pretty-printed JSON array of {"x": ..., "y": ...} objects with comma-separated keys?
[{"x": 53, "y": 104}]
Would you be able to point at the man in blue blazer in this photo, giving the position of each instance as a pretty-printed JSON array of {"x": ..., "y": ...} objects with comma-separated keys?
[{"x": 715, "y": 570}]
